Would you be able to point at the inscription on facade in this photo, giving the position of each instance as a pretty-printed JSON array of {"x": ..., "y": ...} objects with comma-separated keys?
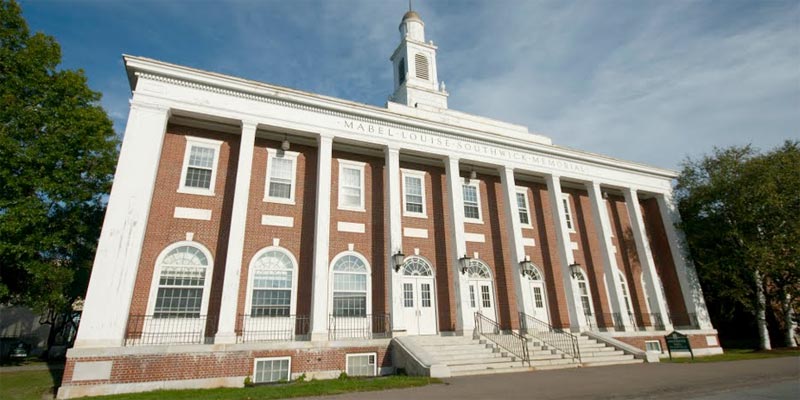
[{"x": 463, "y": 146}]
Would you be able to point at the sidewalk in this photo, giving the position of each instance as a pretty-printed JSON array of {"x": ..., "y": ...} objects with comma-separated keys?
[{"x": 641, "y": 381}]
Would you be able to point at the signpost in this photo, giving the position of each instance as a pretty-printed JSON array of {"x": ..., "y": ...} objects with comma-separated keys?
[{"x": 677, "y": 341}]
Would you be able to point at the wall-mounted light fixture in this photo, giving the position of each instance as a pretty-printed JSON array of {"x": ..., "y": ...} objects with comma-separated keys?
[
  {"x": 398, "y": 258},
  {"x": 465, "y": 261},
  {"x": 574, "y": 268},
  {"x": 473, "y": 174},
  {"x": 526, "y": 267},
  {"x": 285, "y": 145}
]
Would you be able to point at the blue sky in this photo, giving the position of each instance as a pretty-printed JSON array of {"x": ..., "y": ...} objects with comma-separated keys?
[{"x": 647, "y": 81}]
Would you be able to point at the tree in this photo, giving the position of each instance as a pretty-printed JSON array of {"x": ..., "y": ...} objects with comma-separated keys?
[
  {"x": 740, "y": 215},
  {"x": 57, "y": 155}
]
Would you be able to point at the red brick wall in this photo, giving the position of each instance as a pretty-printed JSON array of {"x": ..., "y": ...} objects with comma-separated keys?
[
  {"x": 163, "y": 229},
  {"x": 665, "y": 264},
  {"x": 299, "y": 239},
  {"x": 372, "y": 243},
  {"x": 184, "y": 366},
  {"x": 627, "y": 255},
  {"x": 437, "y": 247},
  {"x": 495, "y": 250}
]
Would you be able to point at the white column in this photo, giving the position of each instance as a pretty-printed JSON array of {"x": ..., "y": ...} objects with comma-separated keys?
[
  {"x": 687, "y": 274},
  {"x": 226, "y": 330},
  {"x": 395, "y": 241},
  {"x": 646, "y": 256},
  {"x": 517, "y": 249},
  {"x": 465, "y": 321},
  {"x": 565, "y": 256},
  {"x": 116, "y": 262},
  {"x": 319, "y": 293},
  {"x": 603, "y": 228}
]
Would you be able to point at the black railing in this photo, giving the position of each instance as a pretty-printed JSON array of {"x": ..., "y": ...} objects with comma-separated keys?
[
  {"x": 653, "y": 320},
  {"x": 551, "y": 336},
  {"x": 512, "y": 342},
  {"x": 272, "y": 328},
  {"x": 155, "y": 330},
  {"x": 685, "y": 320},
  {"x": 370, "y": 326}
]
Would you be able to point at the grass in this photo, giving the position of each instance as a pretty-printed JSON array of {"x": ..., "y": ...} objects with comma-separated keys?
[
  {"x": 25, "y": 385},
  {"x": 737, "y": 355}
]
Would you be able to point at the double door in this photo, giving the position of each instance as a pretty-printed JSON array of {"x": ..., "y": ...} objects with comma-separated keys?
[
  {"x": 481, "y": 299},
  {"x": 419, "y": 305}
]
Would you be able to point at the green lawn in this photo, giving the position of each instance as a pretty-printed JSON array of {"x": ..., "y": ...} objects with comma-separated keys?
[
  {"x": 737, "y": 354},
  {"x": 26, "y": 385}
]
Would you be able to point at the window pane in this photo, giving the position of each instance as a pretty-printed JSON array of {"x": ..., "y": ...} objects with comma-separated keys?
[
  {"x": 351, "y": 177},
  {"x": 178, "y": 303},
  {"x": 471, "y": 212},
  {"x": 281, "y": 168},
  {"x": 271, "y": 303},
  {"x": 425, "y": 294},
  {"x": 522, "y": 205},
  {"x": 198, "y": 177},
  {"x": 201, "y": 157},
  {"x": 537, "y": 296},
  {"x": 487, "y": 303},
  {"x": 272, "y": 371},
  {"x": 413, "y": 193},
  {"x": 349, "y": 304},
  {"x": 408, "y": 295},
  {"x": 472, "y": 296},
  {"x": 362, "y": 365},
  {"x": 349, "y": 282}
]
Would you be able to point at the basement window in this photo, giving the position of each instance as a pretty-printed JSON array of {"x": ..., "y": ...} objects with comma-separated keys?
[
  {"x": 652, "y": 346},
  {"x": 276, "y": 369},
  {"x": 362, "y": 364}
]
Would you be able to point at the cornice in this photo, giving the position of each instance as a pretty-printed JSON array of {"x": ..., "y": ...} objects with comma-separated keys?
[{"x": 139, "y": 67}]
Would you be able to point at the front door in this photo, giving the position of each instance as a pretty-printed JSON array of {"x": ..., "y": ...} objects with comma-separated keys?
[
  {"x": 537, "y": 300},
  {"x": 481, "y": 299},
  {"x": 419, "y": 305}
]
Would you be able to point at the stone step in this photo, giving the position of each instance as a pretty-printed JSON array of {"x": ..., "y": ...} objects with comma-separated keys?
[
  {"x": 472, "y": 369},
  {"x": 604, "y": 363},
  {"x": 479, "y": 361},
  {"x": 623, "y": 357},
  {"x": 490, "y": 371},
  {"x": 461, "y": 346},
  {"x": 609, "y": 351},
  {"x": 446, "y": 358}
]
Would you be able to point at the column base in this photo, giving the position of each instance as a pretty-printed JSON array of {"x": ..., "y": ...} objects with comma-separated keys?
[
  {"x": 319, "y": 336},
  {"x": 225, "y": 338}
]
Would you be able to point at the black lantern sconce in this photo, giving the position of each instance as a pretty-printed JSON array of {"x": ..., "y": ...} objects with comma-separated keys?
[
  {"x": 574, "y": 268},
  {"x": 398, "y": 258},
  {"x": 465, "y": 261}
]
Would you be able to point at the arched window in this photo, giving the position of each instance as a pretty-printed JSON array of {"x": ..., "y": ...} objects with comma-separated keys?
[
  {"x": 350, "y": 286},
  {"x": 417, "y": 266},
  {"x": 623, "y": 287},
  {"x": 532, "y": 274},
  {"x": 273, "y": 280},
  {"x": 478, "y": 269},
  {"x": 182, "y": 279},
  {"x": 583, "y": 291}
]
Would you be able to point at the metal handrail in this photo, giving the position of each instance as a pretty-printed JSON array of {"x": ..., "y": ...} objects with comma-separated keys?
[
  {"x": 268, "y": 328},
  {"x": 368, "y": 326},
  {"x": 556, "y": 338},
  {"x": 165, "y": 329},
  {"x": 512, "y": 342}
]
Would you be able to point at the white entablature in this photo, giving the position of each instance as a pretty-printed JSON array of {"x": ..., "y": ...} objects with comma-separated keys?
[{"x": 201, "y": 93}]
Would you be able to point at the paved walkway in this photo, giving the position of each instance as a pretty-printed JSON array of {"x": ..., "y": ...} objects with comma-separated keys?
[{"x": 638, "y": 381}]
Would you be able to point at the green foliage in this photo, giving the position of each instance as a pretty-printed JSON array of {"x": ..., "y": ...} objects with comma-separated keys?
[
  {"x": 248, "y": 382},
  {"x": 343, "y": 375},
  {"x": 740, "y": 215},
  {"x": 57, "y": 155},
  {"x": 301, "y": 378}
]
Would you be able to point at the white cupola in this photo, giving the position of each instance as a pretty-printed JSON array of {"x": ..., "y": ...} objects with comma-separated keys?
[{"x": 414, "y": 61}]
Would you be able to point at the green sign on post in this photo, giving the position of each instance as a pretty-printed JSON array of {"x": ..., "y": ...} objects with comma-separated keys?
[{"x": 677, "y": 341}]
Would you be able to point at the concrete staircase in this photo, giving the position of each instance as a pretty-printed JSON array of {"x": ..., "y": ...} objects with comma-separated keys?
[{"x": 595, "y": 354}]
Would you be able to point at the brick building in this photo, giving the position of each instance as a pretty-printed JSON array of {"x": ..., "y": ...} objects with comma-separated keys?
[{"x": 264, "y": 232}]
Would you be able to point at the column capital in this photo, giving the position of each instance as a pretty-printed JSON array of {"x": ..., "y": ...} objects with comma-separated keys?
[
  {"x": 249, "y": 124},
  {"x": 393, "y": 147},
  {"x": 141, "y": 105}
]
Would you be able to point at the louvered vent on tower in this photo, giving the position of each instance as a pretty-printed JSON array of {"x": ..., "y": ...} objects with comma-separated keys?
[{"x": 421, "y": 64}]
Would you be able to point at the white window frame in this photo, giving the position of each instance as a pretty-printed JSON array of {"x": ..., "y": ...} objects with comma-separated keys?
[
  {"x": 524, "y": 192},
  {"x": 421, "y": 176},
  {"x": 565, "y": 200},
  {"x": 192, "y": 141},
  {"x": 658, "y": 342},
  {"x": 154, "y": 283},
  {"x": 347, "y": 361},
  {"x": 351, "y": 165},
  {"x": 288, "y": 155},
  {"x": 255, "y": 363},
  {"x": 251, "y": 276},
  {"x": 476, "y": 184},
  {"x": 331, "y": 288}
]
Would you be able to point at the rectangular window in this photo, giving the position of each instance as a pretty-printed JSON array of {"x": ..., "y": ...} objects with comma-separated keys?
[
  {"x": 198, "y": 175},
  {"x": 425, "y": 293},
  {"x": 362, "y": 364},
  {"x": 567, "y": 213},
  {"x": 281, "y": 176},
  {"x": 408, "y": 295},
  {"x": 472, "y": 296},
  {"x": 487, "y": 302},
  {"x": 522, "y": 207},
  {"x": 414, "y": 193},
  {"x": 653, "y": 346},
  {"x": 472, "y": 210},
  {"x": 267, "y": 370},
  {"x": 537, "y": 297},
  {"x": 351, "y": 185}
]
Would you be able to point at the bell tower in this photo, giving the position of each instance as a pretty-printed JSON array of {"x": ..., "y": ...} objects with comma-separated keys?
[{"x": 415, "y": 79}]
